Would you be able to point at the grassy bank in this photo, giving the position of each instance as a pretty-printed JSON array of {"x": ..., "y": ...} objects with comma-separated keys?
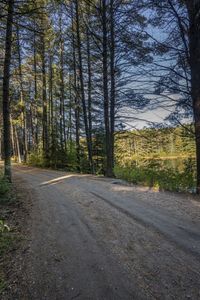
[{"x": 155, "y": 176}]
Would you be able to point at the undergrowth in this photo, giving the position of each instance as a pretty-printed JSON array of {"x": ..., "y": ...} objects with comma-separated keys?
[
  {"x": 7, "y": 239},
  {"x": 159, "y": 178}
]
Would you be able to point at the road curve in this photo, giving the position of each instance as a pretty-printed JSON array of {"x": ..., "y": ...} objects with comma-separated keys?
[{"x": 97, "y": 238}]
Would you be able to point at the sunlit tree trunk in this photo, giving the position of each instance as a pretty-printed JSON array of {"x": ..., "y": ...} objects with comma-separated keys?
[
  {"x": 17, "y": 144},
  {"x": 12, "y": 138}
]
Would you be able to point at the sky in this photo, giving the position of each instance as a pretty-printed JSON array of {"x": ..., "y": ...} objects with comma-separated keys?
[
  {"x": 139, "y": 120},
  {"x": 156, "y": 115}
]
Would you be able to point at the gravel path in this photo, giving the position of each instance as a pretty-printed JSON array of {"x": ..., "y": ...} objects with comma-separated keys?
[{"x": 97, "y": 238}]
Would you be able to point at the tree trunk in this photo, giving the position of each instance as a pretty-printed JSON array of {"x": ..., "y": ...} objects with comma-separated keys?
[
  {"x": 77, "y": 114},
  {"x": 44, "y": 101},
  {"x": 70, "y": 114},
  {"x": 23, "y": 105},
  {"x": 17, "y": 145},
  {"x": 89, "y": 83},
  {"x": 6, "y": 91},
  {"x": 112, "y": 84},
  {"x": 76, "y": 95},
  {"x": 35, "y": 89},
  {"x": 89, "y": 142},
  {"x": 108, "y": 167},
  {"x": 12, "y": 138},
  {"x": 0, "y": 144},
  {"x": 194, "y": 47},
  {"x": 32, "y": 145},
  {"x": 51, "y": 108}
]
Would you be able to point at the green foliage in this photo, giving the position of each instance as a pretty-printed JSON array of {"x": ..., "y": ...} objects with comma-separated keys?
[
  {"x": 150, "y": 143},
  {"x": 4, "y": 227},
  {"x": 36, "y": 159},
  {"x": 5, "y": 188},
  {"x": 155, "y": 176},
  {"x": 65, "y": 159},
  {"x": 163, "y": 159},
  {"x": 71, "y": 159}
]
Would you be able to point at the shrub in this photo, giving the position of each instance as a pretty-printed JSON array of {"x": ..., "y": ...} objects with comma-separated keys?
[
  {"x": 4, "y": 186},
  {"x": 36, "y": 159},
  {"x": 156, "y": 176}
]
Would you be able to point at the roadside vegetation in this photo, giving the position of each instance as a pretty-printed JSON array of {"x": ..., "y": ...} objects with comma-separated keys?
[
  {"x": 8, "y": 236},
  {"x": 154, "y": 176},
  {"x": 163, "y": 159}
]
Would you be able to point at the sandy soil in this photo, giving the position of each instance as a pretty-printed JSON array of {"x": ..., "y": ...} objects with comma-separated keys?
[{"x": 97, "y": 238}]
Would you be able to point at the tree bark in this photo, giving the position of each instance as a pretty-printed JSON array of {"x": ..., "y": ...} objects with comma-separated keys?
[
  {"x": 112, "y": 83},
  {"x": 194, "y": 48},
  {"x": 0, "y": 144},
  {"x": 69, "y": 132},
  {"x": 51, "y": 109},
  {"x": 35, "y": 88},
  {"x": 44, "y": 100},
  {"x": 89, "y": 82},
  {"x": 6, "y": 91},
  {"x": 108, "y": 167},
  {"x": 23, "y": 104},
  {"x": 17, "y": 145},
  {"x": 62, "y": 92},
  {"x": 76, "y": 97},
  {"x": 12, "y": 138},
  {"x": 89, "y": 142}
]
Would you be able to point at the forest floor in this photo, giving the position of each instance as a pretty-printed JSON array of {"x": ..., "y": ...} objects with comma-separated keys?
[{"x": 90, "y": 237}]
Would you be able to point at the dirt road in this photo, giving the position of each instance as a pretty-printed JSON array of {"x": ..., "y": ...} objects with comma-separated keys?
[{"x": 96, "y": 238}]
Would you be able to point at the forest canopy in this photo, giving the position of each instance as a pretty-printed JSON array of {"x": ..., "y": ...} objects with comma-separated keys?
[{"x": 75, "y": 76}]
